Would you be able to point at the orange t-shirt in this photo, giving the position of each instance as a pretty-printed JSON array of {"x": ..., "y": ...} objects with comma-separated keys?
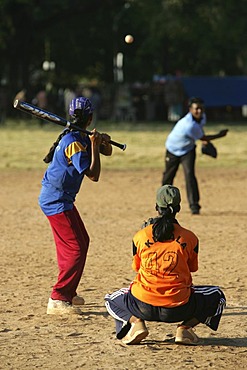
[{"x": 164, "y": 269}]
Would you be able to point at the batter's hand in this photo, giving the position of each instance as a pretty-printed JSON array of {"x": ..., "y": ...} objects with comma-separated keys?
[
  {"x": 105, "y": 138},
  {"x": 96, "y": 138},
  {"x": 106, "y": 147}
]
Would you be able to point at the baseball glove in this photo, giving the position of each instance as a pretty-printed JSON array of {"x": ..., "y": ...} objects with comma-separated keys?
[{"x": 209, "y": 149}]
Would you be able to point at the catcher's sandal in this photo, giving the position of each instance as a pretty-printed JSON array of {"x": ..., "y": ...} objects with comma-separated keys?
[
  {"x": 136, "y": 334},
  {"x": 186, "y": 335},
  {"x": 56, "y": 307},
  {"x": 78, "y": 301}
]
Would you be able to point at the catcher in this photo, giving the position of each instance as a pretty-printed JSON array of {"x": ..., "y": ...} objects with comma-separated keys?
[
  {"x": 164, "y": 255},
  {"x": 181, "y": 148},
  {"x": 73, "y": 156}
]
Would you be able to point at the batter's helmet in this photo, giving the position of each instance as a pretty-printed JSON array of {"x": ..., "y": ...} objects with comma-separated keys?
[{"x": 81, "y": 103}]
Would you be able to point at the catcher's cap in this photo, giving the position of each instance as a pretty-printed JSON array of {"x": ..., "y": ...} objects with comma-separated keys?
[
  {"x": 168, "y": 195},
  {"x": 81, "y": 103}
]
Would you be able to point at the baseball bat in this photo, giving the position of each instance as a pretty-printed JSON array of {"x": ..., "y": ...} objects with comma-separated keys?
[{"x": 51, "y": 117}]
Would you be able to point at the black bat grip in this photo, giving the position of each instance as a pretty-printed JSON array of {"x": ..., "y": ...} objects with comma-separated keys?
[{"x": 121, "y": 146}]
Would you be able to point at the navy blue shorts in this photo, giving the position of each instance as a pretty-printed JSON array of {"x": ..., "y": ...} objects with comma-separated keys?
[{"x": 206, "y": 304}]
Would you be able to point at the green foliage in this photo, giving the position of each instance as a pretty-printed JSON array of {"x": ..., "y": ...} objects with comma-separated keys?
[{"x": 195, "y": 38}]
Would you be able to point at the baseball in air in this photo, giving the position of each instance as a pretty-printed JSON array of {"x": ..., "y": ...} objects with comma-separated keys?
[{"x": 129, "y": 39}]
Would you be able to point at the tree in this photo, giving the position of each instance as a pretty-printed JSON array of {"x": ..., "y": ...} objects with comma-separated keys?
[{"x": 81, "y": 37}]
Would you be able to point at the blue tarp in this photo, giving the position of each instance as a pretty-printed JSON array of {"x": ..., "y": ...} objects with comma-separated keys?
[{"x": 217, "y": 91}]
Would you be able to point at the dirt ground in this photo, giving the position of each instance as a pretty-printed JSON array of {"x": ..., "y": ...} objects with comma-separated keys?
[{"x": 113, "y": 210}]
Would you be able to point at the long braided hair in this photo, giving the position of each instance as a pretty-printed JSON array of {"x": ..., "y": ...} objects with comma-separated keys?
[
  {"x": 163, "y": 226},
  {"x": 78, "y": 119},
  {"x": 50, "y": 154}
]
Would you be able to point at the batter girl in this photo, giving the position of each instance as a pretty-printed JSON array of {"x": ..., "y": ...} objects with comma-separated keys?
[{"x": 73, "y": 156}]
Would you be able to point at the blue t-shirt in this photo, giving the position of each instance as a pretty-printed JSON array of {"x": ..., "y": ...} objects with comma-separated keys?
[
  {"x": 186, "y": 131},
  {"x": 62, "y": 179}
]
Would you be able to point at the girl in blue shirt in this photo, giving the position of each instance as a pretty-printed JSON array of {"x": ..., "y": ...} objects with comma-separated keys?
[{"x": 73, "y": 156}]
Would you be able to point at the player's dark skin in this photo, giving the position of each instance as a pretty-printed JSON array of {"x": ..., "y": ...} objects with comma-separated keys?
[{"x": 197, "y": 110}]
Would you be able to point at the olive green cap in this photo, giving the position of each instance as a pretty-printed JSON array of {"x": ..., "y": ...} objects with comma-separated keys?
[{"x": 168, "y": 195}]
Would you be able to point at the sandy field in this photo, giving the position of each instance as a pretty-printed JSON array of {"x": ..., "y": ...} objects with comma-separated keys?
[{"x": 113, "y": 210}]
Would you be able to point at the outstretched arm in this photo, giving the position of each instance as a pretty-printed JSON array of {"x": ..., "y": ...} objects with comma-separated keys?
[{"x": 220, "y": 134}]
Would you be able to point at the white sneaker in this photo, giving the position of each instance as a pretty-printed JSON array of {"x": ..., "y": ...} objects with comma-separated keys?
[
  {"x": 185, "y": 335},
  {"x": 78, "y": 300},
  {"x": 136, "y": 334},
  {"x": 56, "y": 307}
]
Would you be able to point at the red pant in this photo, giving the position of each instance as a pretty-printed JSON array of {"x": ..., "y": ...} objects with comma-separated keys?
[{"x": 72, "y": 241}]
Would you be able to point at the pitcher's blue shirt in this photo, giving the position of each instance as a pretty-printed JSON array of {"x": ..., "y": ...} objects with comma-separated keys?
[
  {"x": 186, "y": 131},
  {"x": 62, "y": 179}
]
